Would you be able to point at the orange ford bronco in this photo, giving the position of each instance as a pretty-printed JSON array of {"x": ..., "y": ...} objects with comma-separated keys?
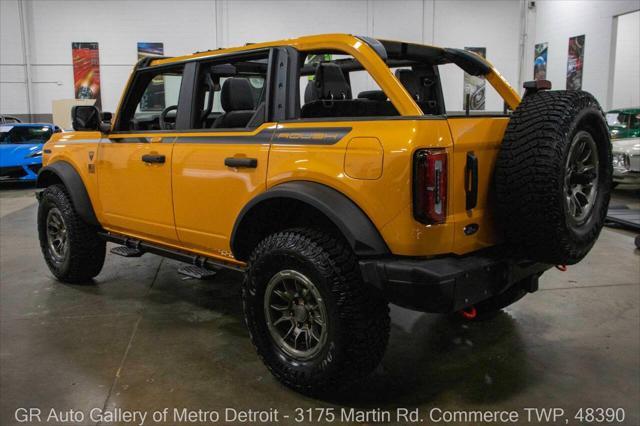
[{"x": 327, "y": 170}]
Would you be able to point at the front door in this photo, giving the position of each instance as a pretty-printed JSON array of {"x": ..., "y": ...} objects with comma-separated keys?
[
  {"x": 134, "y": 181},
  {"x": 134, "y": 161}
]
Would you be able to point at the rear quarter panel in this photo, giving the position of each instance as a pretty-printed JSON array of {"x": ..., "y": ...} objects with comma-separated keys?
[
  {"x": 385, "y": 200},
  {"x": 482, "y": 136}
]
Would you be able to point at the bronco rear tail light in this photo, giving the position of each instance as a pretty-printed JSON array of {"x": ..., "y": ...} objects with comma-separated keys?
[{"x": 430, "y": 186}]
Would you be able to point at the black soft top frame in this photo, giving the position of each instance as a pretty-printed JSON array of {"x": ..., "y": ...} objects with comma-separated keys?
[{"x": 397, "y": 51}]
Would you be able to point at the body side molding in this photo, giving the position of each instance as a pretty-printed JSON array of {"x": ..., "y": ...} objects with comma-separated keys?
[
  {"x": 71, "y": 179},
  {"x": 351, "y": 221}
]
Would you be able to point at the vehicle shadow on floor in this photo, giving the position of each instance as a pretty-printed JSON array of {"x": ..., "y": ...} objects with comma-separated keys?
[
  {"x": 483, "y": 362},
  {"x": 431, "y": 357},
  {"x": 428, "y": 355}
]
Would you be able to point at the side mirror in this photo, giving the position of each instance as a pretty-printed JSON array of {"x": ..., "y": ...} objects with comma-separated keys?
[
  {"x": 89, "y": 118},
  {"x": 85, "y": 117}
]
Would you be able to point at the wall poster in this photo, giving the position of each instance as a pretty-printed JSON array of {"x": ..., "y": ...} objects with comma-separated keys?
[
  {"x": 474, "y": 86},
  {"x": 575, "y": 62},
  {"x": 153, "y": 97},
  {"x": 86, "y": 71},
  {"x": 540, "y": 61}
]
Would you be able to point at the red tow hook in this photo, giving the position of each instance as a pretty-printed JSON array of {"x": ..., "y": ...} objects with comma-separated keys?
[
  {"x": 562, "y": 268},
  {"x": 469, "y": 312}
]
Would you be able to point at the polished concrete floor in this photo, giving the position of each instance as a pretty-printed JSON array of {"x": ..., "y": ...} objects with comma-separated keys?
[{"x": 143, "y": 338}]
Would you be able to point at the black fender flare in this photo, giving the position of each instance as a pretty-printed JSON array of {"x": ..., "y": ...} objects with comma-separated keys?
[
  {"x": 349, "y": 219},
  {"x": 72, "y": 180}
]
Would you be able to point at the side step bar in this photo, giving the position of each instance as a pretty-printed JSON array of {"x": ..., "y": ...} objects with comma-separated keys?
[
  {"x": 192, "y": 271},
  {"x": 145, "y": 247},
  {"x": 127, "y": 251}
]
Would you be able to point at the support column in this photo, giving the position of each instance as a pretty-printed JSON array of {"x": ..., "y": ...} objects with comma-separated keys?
[{"x": 26, "y": 57}]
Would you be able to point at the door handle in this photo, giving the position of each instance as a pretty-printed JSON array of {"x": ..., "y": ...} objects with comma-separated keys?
[
  {"x": 241, "y": 162},
  {"x": 153, "y": 158},
  {"x": 471, "y": 181}
]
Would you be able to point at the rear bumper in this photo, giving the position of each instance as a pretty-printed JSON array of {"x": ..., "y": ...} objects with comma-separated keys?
[{"x": 450, "y": 283}]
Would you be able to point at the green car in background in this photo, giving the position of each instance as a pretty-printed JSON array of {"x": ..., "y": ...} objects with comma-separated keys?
[{"x": 624, "y": 123}]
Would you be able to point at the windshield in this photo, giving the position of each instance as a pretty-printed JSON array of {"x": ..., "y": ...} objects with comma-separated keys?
[{"x": 24, "y": 134}]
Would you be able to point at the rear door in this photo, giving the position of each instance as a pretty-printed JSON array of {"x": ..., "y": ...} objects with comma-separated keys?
[{"x": 221, "y": 163}]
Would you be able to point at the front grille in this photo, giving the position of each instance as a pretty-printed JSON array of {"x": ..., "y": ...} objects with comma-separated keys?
[
  {"x": 634, "y": 164},
  {"x": 14, "y": 172}
]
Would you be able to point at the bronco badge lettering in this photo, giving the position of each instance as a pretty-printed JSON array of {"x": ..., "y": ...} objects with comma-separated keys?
[{"x": 326, "y": 136}]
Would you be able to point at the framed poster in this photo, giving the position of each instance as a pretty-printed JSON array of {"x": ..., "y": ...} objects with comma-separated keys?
[
  {"x": 575, "y": 62},
  {"x": 153, "y": 97},
  {"x": 147, "y": 49},
  {"x": 474, "y": 86},
  {"x": 86, "y": 71},
  {"x": 540, "y": 61}
]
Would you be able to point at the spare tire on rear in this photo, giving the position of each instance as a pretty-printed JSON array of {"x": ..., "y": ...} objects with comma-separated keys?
[{"x": 553, "y": 176}]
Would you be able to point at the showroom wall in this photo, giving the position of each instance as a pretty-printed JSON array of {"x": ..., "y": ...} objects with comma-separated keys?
[
  {"x": 187, "y": 26},
  {"x": 626, "y": 76},
  {"x": 555, "y": 21},
  {"x": 117, "y": 26},
  {"x": 190, "y": 25}
]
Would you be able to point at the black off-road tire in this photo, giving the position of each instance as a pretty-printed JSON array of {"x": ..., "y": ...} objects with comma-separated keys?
[
  {"x": 358, "y": 316},
  {"x": 85, "y": 252},
  {"x": 530, "y": 176}
]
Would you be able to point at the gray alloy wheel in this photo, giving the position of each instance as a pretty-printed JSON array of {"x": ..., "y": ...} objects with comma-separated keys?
[
  {"x": 296, "y": 314},
  {"x": 72, "y": 249},
  {"x": 581, "y": 178},
  {"x": 314, "y": 323},
  {"x": 57, "y": 240}
]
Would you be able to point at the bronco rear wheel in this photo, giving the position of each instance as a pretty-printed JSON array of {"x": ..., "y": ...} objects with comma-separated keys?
[
  {"x": 314, "y": 323},
  {"x": 553, "y": 176},
  {"x": 73, "y": 250}
]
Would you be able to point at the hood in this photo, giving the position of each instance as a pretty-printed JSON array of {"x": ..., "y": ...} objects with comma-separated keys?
[{"x": 14, "y": 155}]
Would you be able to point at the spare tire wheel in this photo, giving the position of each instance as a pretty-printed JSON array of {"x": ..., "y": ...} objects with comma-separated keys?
[{"x": 553, "y": 176}]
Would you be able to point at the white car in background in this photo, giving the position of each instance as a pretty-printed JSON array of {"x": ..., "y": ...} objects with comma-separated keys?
[{"x": 626, "y": 161}]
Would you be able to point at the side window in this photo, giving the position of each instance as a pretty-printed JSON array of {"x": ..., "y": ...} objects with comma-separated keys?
[
  {"x": 256, "y": 83},
  {"x": 423, "y": 84},
  {"x": 232, "y": 94},
  {"x": 336, "y": 85},
  {"x": 152, "y": 102},
  {"x": 459, "y": 88}
]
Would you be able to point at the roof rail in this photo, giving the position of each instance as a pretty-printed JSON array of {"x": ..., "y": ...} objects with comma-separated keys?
[
  {"x": 208, "y": 50},
  {"x": 146, "y": 61}
]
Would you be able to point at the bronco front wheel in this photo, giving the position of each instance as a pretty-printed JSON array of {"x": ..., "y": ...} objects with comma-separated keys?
[
  {"x": 73, "y": 250},
  {"x": 313, "y": 321}
]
